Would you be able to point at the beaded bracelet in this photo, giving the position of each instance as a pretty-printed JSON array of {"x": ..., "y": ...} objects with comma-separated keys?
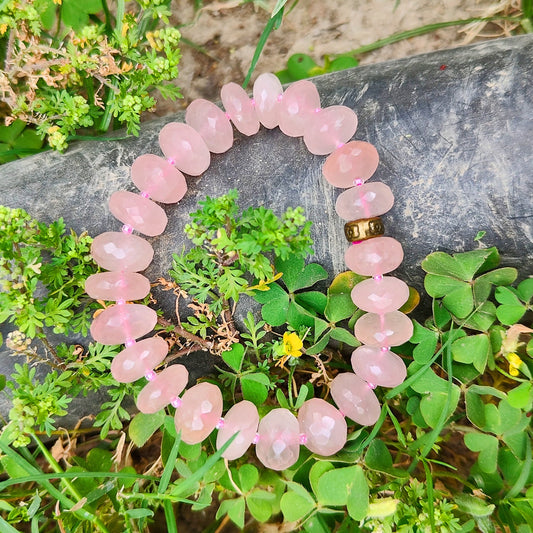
[{"x": 320, "y": 426}]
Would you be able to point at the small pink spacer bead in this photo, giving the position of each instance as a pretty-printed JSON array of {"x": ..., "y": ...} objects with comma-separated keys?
[
  {"x": 371, "y": 386},
  {"x": 252, "y": 101},
  {"x": 280, "y": 97},
  {"x": 171, "y": 161},
  {"x": 385, "y": 348},
  {"x": 303, "y": 438},
  {"x": 145, "y": 194},
  {"x": 121, "y": 301},
  {"x": 317, "y": 109},
  {"x": 378, "y": 278},
  {"x": 150, "y": 375},
  {"x": 256, "y": 439},
  {"x": 129, "y": 342},
  {"x": 357, "y": 242},
  {"x": 339, "y": 145},
  {"x": 176, "y": 402},
  {"x": 220, "y": 423},
  {"x": 358, "y": 182},
  {"x": 228, "y": 116},
  {"x": 127, "y": 229}
]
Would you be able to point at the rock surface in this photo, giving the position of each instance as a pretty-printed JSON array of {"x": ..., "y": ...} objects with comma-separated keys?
[{"x": 452, "y": 128}]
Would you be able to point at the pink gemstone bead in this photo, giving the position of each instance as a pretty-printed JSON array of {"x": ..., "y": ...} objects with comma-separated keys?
[
  {"x": 133, "y": 362},
  {"x": 267, "y": 92},
  {"x": 118, "y": 323},
  {"x": 211, "y": 123},
  {"x": 242, "y": 418},
  {"x": 375, "y": 256},
  {"x": 383, "y": 296},
  {"x": 114, "y": 250},
  {"x": 390, "y": 329},
  {"x": 154, "y": 175},
  {"x": 138, "y": 212},
  {"x": 299, "y": 103},
  {"x": 279, "y": 439},
  {"x": 354, "y": 160},
  {"x": 117, "y": 286},
  {"x": 323, "y": 425},
  {"x": 368, "y": 200},
  {"x": 355, "y": 398},
  {"x": 199, "y": 413},
  {"x": 159, "y": 392},
  {"x": 185, "y": 147},
  {"x": 383, "y": 368},
  {"x": 239, "y": 108},
  {"x": 329, "y": 128}
]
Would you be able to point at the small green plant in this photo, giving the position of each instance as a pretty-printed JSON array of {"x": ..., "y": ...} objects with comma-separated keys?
[{"x": 71, "y": 66}]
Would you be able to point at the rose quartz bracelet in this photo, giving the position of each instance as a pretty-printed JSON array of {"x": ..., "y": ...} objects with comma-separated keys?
[{"x": 319, "y": 426}]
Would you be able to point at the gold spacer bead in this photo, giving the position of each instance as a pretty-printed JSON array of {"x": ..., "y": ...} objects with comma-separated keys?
[{"x": 364, "y": 228}]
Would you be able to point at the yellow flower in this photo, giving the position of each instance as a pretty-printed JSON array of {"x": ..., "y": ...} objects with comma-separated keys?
[
  {"x": 292, "y": 344},
  {"x": 514, "y": 364}
]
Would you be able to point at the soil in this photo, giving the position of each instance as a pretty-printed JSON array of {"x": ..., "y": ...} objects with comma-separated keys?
[{"x": 219, "y": 39}]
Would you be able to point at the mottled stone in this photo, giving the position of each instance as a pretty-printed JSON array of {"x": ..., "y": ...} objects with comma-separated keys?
[
  {"x": 381, "y": 295},
  {"x": 374, "y": 257},
  {"x": 211, "y": 123},
  {"x": 368, "y": 200},
  {"x": 118, "y": 251},
  {"x": 240, "y": 108},
  {"x": 356, "y": 160},
  {"x": 300, "y": 101},
  {"x": 115, "y": 286},
  {"x": 390, "y": 329},
  {"x": 163, "y": 389},
  {"x": 268, "y": 93},
  {"x": 379, "y": 367}
]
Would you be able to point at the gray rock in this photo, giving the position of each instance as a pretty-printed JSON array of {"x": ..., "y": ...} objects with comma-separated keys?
[{"x": 453, "y": 129}]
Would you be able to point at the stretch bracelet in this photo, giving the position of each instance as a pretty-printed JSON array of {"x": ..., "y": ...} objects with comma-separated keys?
[{"x": 320, "y": 426}]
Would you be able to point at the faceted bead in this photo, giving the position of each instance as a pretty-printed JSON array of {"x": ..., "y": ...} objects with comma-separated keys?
[
  {"x": 329, "y": 128},
  {"x": 117, "y": 286},
  {"x": 199, "y": 412},
  {"x": 267, "y": 92},
  {"x": 114, "y": 250},
  {"x": 355, "y": 399},
  {"x": 380, "y": 296},
  {"x": 354, "y": 160},
  {"x": 134, "y": 362},
  {"x": 184, "y": 146},
  {"x": 365, "y": 201},
  {"x": 278, "y": 447},
  {"x": 239, "y": 108},
  {"x": 118, "y": 323},
  {"x": 374, "y": 257},
  {"x": 300, "y": 102},
  {"x": 159, "y": 392},
  {"x": 390, "y": 329},
  {"x": 158, "y": 178},
  {"x": 323, "y": 425},
  {"x": 140, "y": 213},
  {"x": 242, "y": 418},
  {"x": 383, "y": 368},
  {"x": 211, "y": 123}
]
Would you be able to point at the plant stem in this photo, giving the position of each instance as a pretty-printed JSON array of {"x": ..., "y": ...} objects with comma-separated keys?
[
  {"x": 202, "y": 343},
  {"x": 67, "y": 483},
  {"x": 422, "y": 30}
]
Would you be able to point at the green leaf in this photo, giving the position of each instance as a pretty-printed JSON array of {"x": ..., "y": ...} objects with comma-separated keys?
[
  {"x": 297, "y": 276},
  {"x": 255, "y": 388},
  {"x": 510, "y": 314},
  {"x": 259, "y": 504},
  {"x": 319, "y": 468},
  {"x": 483, "y": 318},
  {"x": 426, "y": 341},
  {"x": 358, "y": 497},
  {"x": 135, "y": 514},
  {"x": 504, "y": 295},
  {"x": 343, "y": 335},
  {"x": 296, "y": 504},
  {"x": 143, "y": 426},
  {"x": 432, "y": 405},
  {"x": 344, "y": 282},
  {"x": 339, "y": 307},
  {"x": 500, "y": 276},
  {"x": 234, "y": 509},
  {"x": 320, "y": 345},
  {"x": 520, "y": 397},
  {"x": 473, "y": 349},
  {"x": 248, "y": 476},
  {"x": 525, "y": 290},
  {"x": 312, "y": 300},
  {"x": 473, "y": 506},
  {"x": 300, "y": 66},
  {"x": 275, "y": 304},
  {"x": 487, "y": 446},
  {"x": 234, "y": 357},
  {"x": 378, "y": 456}
]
